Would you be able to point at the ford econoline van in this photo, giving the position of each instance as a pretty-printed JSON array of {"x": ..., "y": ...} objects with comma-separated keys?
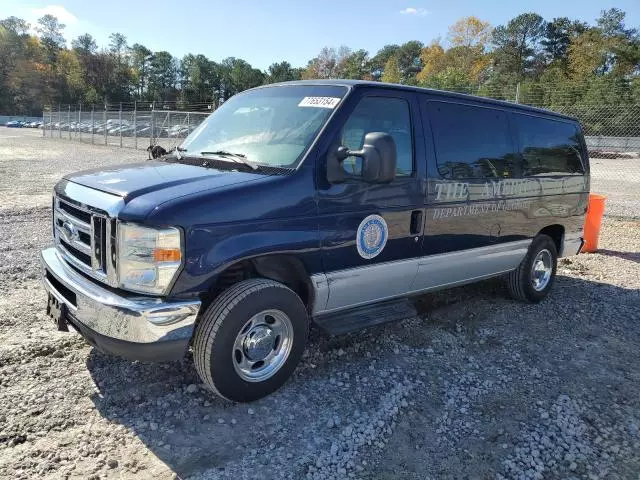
[{"x": 330, "y": 202}]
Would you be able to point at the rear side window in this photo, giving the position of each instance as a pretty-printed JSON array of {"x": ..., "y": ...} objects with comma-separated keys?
[
  {"x": 548, "y": 147},
  {"x": 471, "y": 142},
  {"x": 380, "y": 114}
]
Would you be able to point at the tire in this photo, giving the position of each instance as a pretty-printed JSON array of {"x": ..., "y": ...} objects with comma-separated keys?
[
  {"x": 251, "y": 319},
  {"x": 526, "y": 286}
]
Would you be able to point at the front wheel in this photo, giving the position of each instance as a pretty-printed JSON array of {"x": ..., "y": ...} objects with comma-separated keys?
[
  {"x": 534, "y": 277},
  {"x": 250, "y": 339}
]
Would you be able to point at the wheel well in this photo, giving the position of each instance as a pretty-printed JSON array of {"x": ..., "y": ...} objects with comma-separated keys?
[
  {"x": 285, "y": 269},
  {"x": 556, "y": 232}
]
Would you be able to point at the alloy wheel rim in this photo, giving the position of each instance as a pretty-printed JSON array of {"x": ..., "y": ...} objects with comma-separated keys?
[{"x": 263, "y": 345}]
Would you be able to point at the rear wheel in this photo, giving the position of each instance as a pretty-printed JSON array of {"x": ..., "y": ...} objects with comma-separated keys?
[
  {"x": 534, "y": 277},
  {"x": 250, "y": 339}
]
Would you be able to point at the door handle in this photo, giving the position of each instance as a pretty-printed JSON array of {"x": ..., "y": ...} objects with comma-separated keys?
[{"x": 416, "y": 222}]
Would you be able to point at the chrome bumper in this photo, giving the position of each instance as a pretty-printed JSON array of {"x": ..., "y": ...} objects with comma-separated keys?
[{"x": 135, "y": 327}]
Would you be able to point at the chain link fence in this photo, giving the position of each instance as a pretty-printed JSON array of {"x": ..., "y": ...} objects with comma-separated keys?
[
  {"x": 611, "y": 126},
  {"x": 123, "y": 125}
]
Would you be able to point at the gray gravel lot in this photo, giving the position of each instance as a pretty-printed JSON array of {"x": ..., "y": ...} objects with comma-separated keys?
[
  {"x": 477, "y": 386},
  {"x": 619, "y": 180}
]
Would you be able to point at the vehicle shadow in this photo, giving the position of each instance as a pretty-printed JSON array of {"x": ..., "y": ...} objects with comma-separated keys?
[
  {"x": 193, "y": 431},
  {"x": 631, "y": 256}
]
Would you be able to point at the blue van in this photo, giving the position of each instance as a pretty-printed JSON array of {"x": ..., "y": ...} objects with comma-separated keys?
[{"x": 330, "y": 202}]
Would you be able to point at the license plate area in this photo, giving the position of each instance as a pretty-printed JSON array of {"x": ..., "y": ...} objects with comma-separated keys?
[{"x": 58, "y": 312}]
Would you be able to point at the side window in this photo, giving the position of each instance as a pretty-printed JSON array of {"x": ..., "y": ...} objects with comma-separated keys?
[
  {"x": 548, "y": 147},
  {"x": 380, "y": 114},
  {"x": 471, "y": 142}
]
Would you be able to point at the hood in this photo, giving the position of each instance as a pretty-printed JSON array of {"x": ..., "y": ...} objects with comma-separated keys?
[{"x": 133, "y": 180}]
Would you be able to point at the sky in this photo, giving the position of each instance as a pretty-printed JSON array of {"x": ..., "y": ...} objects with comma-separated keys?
[{"x": 265, "y": 31}]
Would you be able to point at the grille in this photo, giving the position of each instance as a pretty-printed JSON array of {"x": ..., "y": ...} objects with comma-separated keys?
[{"x": 84, "y": 237}]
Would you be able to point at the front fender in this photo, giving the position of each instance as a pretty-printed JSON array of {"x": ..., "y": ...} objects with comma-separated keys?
[{"x": 213, "y": 248}]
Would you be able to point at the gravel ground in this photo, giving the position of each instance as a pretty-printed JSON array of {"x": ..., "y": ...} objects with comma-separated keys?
[
  {"x": 476, "y": 386},
  {"x": 619, "y": 180}
]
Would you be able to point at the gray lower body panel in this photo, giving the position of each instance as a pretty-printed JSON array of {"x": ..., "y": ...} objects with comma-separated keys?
[
  {"x": 455, "y": 268},
  {"x": 354, "y": 287}
]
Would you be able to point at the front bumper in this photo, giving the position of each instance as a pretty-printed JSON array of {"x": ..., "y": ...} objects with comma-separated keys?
[{"x": 134, "y": 327}]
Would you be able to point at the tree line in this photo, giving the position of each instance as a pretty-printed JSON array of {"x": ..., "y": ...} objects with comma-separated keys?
[{"x": 561, "y": 61}]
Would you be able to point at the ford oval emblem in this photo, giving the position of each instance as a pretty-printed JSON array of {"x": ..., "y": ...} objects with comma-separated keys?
[{"x": 70, "y": 232}]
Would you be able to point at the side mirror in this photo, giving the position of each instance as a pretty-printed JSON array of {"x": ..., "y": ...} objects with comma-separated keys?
[{"x": 379, "y": 159}]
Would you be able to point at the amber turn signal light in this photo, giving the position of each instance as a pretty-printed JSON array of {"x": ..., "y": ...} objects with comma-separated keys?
[{"x": 167, "y": 255}]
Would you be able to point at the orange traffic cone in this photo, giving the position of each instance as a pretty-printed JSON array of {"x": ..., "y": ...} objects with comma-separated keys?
[{"x": 592, "y": 222}]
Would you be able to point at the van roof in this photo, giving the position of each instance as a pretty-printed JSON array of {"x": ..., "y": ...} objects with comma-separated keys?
[{"x": 432, "y": 91}]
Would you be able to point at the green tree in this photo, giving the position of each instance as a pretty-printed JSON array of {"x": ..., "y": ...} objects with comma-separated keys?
[
  {"x": 450, "y": 79},
  {"x": 380, "y": 59},
  {"x": 121, "y": 81},
  {"x": 588, "y": 55},
  {"x": 199, "y": 79},
  {"x": 84, "y": 45},
  {"x": 15, "y": 25},
  {"x": 50, "y": 30},
  {"x": 517, "y": 50},
  {"x": 163, "y": 76},
  {"x": 561, "y": 63},
  {"x": 354, "y": 66},
  {"x": 118, "y": 46},
  {"x": 392, "y": 73},
  {"x": 622, "y": 43},
  {"x": 11, "y": 48},
  {"x": 25, "y": 79},
  {"x": 95, "y": 77},
  {"x": 558, "y": 36},
  {"x": 238, "y": 75},
  {"x": 458, "y": 67},
  {"x": 99, "y": 76},
  {"x": 409, "y": 61},
  {"x": 72, "y": 79},
  {"x": 140, "y": 57},
  {"x": 611, "y": 24},
  {"x": 282, "y": 72},
  {"x": 30, "y": 87}
]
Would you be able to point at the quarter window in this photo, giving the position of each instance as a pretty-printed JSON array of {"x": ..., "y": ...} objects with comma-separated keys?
[
  {"x": 380, "y": 114},
  {"x": 471, "y": 141},
  {"x": 548, "y": 147}
]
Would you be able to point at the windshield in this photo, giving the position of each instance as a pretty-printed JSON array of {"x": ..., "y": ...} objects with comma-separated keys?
[{"x": 271, "y": 126}]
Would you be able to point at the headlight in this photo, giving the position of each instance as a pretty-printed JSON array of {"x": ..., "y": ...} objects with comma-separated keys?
[{"x": 148, "y": 258}]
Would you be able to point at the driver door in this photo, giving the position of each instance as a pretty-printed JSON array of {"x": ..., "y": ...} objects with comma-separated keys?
[{"x": 371, "y": 234}]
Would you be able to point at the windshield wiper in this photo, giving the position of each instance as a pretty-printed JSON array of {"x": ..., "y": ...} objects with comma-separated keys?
[
  {"x": 224, "y": 153},
  {"x": 235, "y": 157}
]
